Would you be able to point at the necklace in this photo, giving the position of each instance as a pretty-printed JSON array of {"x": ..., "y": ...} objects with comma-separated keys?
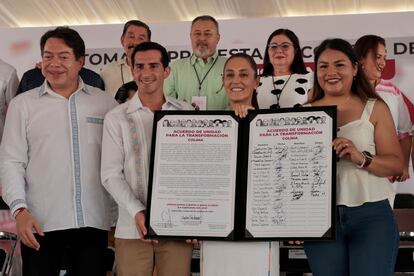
[{"x": 278, "y": 92}]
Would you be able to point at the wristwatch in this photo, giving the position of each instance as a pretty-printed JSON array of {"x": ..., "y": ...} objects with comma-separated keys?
[{"x": 367, "y": 158}]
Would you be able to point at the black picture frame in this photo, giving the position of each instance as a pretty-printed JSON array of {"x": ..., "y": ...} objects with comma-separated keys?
[{"x": 240, "y": 232}]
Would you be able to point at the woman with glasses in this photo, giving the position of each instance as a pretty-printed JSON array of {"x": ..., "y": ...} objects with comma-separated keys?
[
  {"x": 285, "y": 82},
  {"x": 371, "y": 54}
]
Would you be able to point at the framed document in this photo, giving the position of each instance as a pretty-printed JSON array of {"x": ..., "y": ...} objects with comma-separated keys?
[
  {"x": 193, "y": 174},
  {"x": 269, "y": 176}
]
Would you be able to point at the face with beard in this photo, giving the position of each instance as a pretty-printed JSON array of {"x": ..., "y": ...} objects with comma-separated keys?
[{"x": 204, "y": 38}]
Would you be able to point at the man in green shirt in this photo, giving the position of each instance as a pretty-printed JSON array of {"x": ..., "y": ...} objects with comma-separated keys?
[{"x": 198, "y": 78}]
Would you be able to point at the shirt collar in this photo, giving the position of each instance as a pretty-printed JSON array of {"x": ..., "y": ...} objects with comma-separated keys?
[
  {"x": 134, "y": 104},
  {"x": 195, "y": 59},
  {"x": 46, "y": 89}
]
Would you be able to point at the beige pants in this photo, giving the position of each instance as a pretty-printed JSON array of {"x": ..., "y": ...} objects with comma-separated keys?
[{"x": 137, "y": 258}]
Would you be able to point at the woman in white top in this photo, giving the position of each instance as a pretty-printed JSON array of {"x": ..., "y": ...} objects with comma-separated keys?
[
  {"x": 366, "y": 232},
  {"x": 371, "y": 53},
  {"x": 240, "y": 258},
  {"x": 285, "y": 82}
]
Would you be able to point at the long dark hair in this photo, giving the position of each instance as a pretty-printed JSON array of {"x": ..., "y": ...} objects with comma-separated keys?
[
  {"x": 360, "y": 85},
  {"x": 366, "y": 43},
  {"x": 253, "y": 65},
  {"x": 298, "y": 66}
]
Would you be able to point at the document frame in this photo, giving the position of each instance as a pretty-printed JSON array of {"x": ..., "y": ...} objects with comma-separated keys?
[{"x": 269, "y": 176}]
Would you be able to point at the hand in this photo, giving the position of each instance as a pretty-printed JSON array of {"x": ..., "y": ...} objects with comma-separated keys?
[
  {"x": 346, "y": 149},
  {"x": 25, "y": 223},
  {"x": 196, "y": 107},
  {"x": 241, "y": 110},
  {"x": 295, "y": 242},
  {"x": 192, "y": 241},
  {"x": 404, "y": 176},
  {"x": 140, "y": 224}
]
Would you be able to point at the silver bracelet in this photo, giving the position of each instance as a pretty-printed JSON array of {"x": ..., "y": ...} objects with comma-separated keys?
[{"x": 363, "y": 162}]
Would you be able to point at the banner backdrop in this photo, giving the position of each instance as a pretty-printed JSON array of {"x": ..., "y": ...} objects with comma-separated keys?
[{"x": 20, "y": 46}]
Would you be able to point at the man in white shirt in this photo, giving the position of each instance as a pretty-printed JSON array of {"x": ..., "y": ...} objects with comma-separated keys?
[
  {"x": 50, "y": 161},
  {"x": 8, "y": 87},
  {"x": 117, "y": 73},
  {"x": 125, "y": 169}
]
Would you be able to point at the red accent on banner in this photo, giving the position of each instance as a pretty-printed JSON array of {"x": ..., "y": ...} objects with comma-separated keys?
[
  {"x": 21, "y": 46},
  {"x": 389, "y": 71}
]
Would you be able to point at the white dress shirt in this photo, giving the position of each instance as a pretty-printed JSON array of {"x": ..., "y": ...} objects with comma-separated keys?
[
  {"x": 8, "y": 87},
  {"x": 126, "y": 149},
  {"x": 50, "y": 157},
  {"x": 115, "y": 74}
]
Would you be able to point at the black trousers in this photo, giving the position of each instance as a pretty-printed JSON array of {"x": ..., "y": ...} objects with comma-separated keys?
[{"x": 81, "y": 252}]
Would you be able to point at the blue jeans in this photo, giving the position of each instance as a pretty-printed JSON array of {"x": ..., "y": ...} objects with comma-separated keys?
[{"x": 366, "y": 244}]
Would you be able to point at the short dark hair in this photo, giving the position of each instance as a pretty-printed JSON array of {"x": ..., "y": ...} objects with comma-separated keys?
[
  {"x": 253, "y": 65},
  {"x": 122, "y": 94},
  {"x": 69, "y": 36},
  {"x": 137, "y": 23},
  {"x": 298, "y": 66},
  {"x": 146, "y": 46},
  {"x": 205, "y": 18},
  {"x": 367, "y": 43},
  {"x": 360, "y": 85}
]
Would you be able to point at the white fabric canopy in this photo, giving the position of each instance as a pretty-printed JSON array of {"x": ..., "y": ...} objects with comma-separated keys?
[{"x": 31, "y": 13}]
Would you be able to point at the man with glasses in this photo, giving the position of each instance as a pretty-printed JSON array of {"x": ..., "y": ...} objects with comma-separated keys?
[
  {"x": 198, "y": 78},
  {"x": 50, "y": 161}
]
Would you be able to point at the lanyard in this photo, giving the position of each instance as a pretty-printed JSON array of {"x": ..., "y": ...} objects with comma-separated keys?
[
  {"x": 122, "y": 73},
  {"x": 278, "y": 92},
  {"x": 200, "y": 82}
]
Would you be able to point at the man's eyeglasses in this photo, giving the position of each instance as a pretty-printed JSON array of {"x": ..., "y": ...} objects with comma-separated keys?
[{"x": 285, "y": 46}]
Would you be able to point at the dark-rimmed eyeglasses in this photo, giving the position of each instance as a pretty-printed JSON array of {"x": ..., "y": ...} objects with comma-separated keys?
[{"x": 285, "y": 46}]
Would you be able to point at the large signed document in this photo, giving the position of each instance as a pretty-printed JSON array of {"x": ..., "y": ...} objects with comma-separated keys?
[
  {"x": 270, "y": 176},
  {"x": 194, "y": 175}
]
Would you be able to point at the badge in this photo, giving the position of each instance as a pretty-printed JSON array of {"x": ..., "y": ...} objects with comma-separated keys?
[{"x": 199, "y": 102}]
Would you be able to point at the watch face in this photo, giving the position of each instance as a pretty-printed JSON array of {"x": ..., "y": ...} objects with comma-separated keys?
[
  {"x": 368, "y": 154},
  {"x": 368, "y": 158}
]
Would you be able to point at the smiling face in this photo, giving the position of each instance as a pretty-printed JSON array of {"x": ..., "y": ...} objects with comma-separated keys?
[
  {"x": 335, "y": 72},
  {"x": 133, "y": 36},
  {"x": 204, "y": 38},
  {"x": 240, "y": 80},
  {"x": 149, "y": 73},
  {"x": 281, "y": 52},
  {"x": 60, "y": 66},
  {"x": 374, "y": 63}
]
